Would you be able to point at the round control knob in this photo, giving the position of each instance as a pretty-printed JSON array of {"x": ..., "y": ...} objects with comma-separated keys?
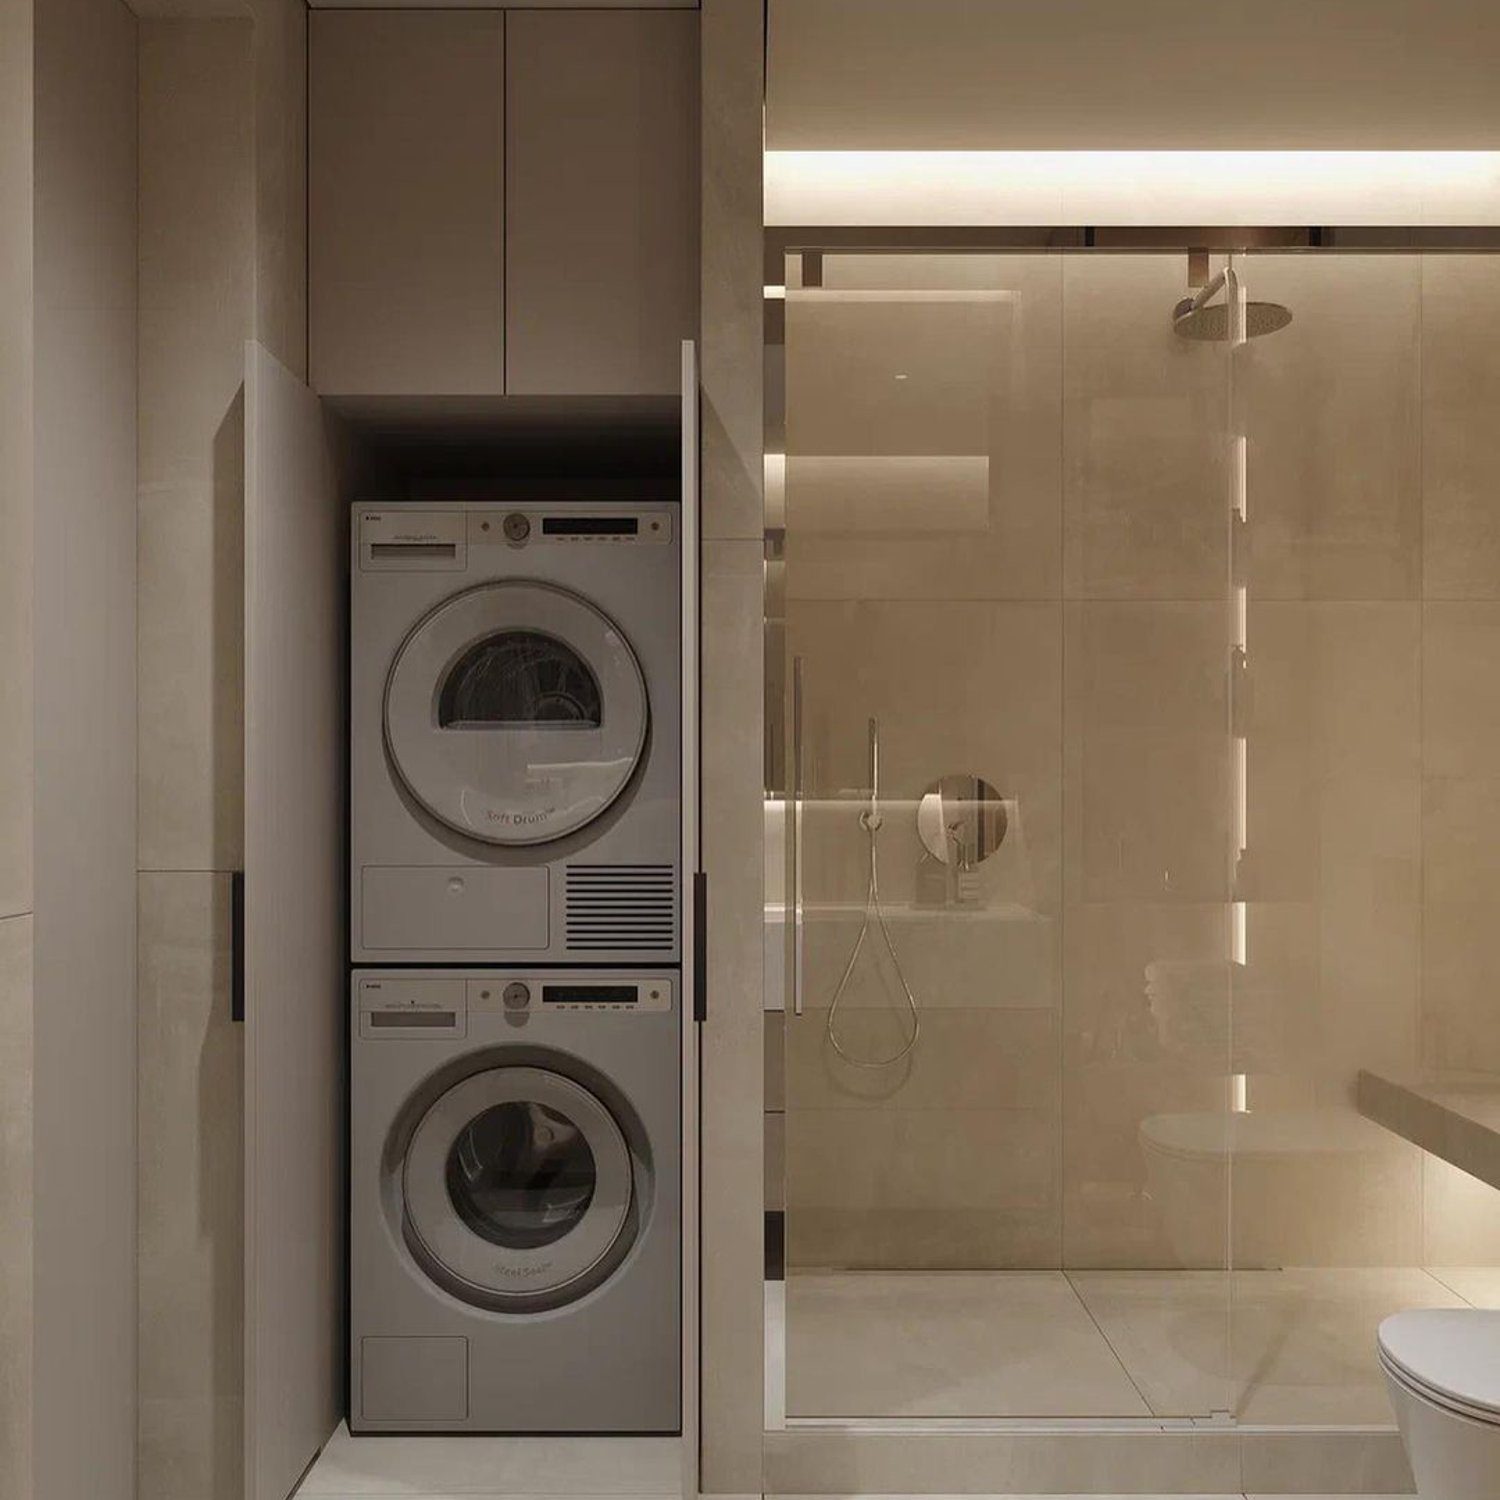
[
  {"x": 516, "y": 996},
  {"x": 517, "y": 527}
]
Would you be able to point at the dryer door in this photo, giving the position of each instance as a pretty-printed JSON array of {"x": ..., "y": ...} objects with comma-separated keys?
[
  {"x": 518, "y": 1190},
  {"x": 516, "y": 712}
]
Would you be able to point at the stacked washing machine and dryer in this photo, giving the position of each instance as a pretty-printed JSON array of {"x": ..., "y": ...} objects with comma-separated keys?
[{"x": 515, "y": 996}]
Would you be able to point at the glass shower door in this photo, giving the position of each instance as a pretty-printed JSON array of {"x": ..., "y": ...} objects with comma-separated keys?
[{"x": 999, "y": 620}]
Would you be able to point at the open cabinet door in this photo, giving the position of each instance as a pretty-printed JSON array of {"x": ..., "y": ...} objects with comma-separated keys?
[
  {"x": 695, "y": 906},
  {"x": 293, "y": 928}
]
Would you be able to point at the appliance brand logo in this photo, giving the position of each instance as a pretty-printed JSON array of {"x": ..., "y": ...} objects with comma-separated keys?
[
  {"x": 524, "y": 1273},
  {"x": 508, "y": 819}
]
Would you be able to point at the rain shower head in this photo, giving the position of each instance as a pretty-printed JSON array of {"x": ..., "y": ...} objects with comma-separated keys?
[{"x": 1210, "y": 324}]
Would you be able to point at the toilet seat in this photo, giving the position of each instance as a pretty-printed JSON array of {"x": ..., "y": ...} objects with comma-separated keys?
[{"x": 1448, "y": 1356}]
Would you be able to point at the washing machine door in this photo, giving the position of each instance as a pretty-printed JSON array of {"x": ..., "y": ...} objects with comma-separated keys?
[
  {"x": 516, "y": 712},
  {"x": 518, "y": 1189}
]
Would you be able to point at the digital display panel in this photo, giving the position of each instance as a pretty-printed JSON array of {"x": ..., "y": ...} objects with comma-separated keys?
[
  {"x": 589, "y": 994},
  {"x": 590, "y": 525}
]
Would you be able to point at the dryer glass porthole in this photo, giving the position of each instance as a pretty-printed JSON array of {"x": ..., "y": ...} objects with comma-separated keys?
[
  {"x": 516, "y": 712},
  {"x": 519, "y": 678},
  {"x": 518, "y": 1190}
]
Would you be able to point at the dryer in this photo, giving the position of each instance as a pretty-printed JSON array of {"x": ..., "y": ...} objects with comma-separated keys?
[
  {"x": 515, "y": 713},
  {"x": 515, "y": 1197}
]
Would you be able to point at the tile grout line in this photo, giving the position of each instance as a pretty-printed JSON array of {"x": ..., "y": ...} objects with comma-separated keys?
[{"x": 1151, "y": 1411}]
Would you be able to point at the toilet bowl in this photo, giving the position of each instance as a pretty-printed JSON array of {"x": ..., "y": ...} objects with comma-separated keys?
[{"x": 1442, "y": 1368}]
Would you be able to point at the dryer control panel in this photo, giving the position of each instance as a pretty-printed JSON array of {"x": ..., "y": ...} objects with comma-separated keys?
[{"x": 396, "y": 1005}]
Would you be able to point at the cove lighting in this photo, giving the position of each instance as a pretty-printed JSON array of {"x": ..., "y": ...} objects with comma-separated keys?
[{"x": 1409, "y": 188}]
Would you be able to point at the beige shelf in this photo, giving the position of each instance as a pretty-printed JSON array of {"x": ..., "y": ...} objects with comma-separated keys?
[{"x": 1457, "y": 1119}]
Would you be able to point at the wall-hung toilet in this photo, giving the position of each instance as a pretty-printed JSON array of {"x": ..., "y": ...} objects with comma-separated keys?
[{"x": 1442, "y": 1368}]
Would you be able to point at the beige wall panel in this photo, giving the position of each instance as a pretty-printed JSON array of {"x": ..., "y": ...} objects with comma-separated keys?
[
  {"x": 198, "y": 284},
  {"x": 732, "y": 312},
  {"x": 15, "y": 455},
  {"x": 16, "y": 1320},
  {"x": 601, "y": 242},
  {"x": 407, "y": 193},
  {"x": 281, "y": 179},
  {"x": 191, "y": 1194},
  {"x": 733, "y": 1082},
  {"x": 85, "y": 1021},
  {"x": 1093, "y": 74},
  {"x": 1460, "y": 439}
]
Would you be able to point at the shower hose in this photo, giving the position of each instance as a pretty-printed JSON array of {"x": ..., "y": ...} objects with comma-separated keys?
[{"x": 870, "y": 820}]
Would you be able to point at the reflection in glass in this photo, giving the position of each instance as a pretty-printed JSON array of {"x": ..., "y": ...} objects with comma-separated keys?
[
  {"x": 517, "y": 678},
  {"x": 521, "y": 1175}
]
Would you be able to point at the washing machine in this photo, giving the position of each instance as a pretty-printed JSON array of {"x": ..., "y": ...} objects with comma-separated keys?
[
  {"x": 515, "y": 712},
  {"x": 515, "y": 1191}
]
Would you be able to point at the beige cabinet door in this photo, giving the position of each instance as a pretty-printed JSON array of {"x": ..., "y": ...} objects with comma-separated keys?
[
  {"x": 601, "y": 200},
  {"x": 406, "y": 202},
  {"x": 295, "y": 979}
]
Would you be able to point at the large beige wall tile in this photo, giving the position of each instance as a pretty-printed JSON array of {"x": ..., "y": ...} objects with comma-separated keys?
[
  {"x": 965, "y": 1060},
  {"x": 190, "y": 1192},
  {"x": 957, "y": 688},
  {"x": 1330, "y": 406},
  {"x": 1460, "y": 689},
  {"x": 1145, "y": 497},
  {"x": 922, "y": 1188},
  {"x": 1461, "y": 820},
  {"x": 1460, "y": 439},
  {"x": 1332, "y": 867},
  {"x": 1146, "y": 1033},
  {"x": 733, "y": 1037},
  {"x": 1460, "y": 1221},
  {"x": 1146, "y": 749},
  {"x": 16, "y": 1068},
  {"x": 924, "y": 425},
  {"x": 15, "y": 454},
  {"x": 84, "y": 1272}
]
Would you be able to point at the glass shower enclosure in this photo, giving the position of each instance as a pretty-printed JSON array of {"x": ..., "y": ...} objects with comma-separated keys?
[{"x": 1125, "y": 746}]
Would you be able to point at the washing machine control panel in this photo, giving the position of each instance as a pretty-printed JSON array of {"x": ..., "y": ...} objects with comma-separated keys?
[{"x": 423, "y": 1006}]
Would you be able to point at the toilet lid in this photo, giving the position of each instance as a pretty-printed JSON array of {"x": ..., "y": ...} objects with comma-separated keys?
[{"x": 1453, "y": 1351}]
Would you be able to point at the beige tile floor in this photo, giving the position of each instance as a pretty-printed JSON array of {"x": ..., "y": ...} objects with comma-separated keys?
[
  {"x": 483, "y": 1468},
  {"x": 1277, "y": 1347}
]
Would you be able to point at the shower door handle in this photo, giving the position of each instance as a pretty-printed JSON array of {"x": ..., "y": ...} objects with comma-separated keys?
[{"x": 796, "y": 834}]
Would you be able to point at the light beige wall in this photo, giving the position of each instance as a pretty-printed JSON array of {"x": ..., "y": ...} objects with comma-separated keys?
[
  {"x": 15, "y": 746},
  {"x": 199, "y": 211},
  {"x": 1154, "y": 75},
  {"x": 84, "y": 966},
  {"x": 732, "y": 446}
]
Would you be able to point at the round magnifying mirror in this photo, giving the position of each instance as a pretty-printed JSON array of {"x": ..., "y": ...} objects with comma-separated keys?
[{"x": 961, "y": 820}]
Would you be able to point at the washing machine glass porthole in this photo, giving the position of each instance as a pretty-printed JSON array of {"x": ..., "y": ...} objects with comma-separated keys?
[
  {"x": 518, "y": 1189},
  {"x": 521, "y": 1175},
  {"x": 516, "y": 712}
]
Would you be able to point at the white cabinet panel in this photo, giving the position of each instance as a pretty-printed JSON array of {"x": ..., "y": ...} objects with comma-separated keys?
[
  {"x": 406, "y": 202},
  {"x": 601, "y": 200}
]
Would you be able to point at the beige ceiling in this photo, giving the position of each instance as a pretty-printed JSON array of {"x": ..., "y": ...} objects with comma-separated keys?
[{"x": 1134, "y": 74}]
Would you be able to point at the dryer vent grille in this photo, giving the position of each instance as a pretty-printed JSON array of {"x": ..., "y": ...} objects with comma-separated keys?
[{"x": 621, "y": 906}]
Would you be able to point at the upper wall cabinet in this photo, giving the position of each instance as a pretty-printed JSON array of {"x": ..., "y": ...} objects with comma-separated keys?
[
  {"x": 406, "y": 202},
  {"x": 601, "y": 271},
  {"x": 502, "y": 202}
]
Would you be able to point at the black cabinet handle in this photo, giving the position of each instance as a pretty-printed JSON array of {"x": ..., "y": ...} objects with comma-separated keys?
[
  {"x": 236, "y": 945},
  {"x": 700, "y": 945}
]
